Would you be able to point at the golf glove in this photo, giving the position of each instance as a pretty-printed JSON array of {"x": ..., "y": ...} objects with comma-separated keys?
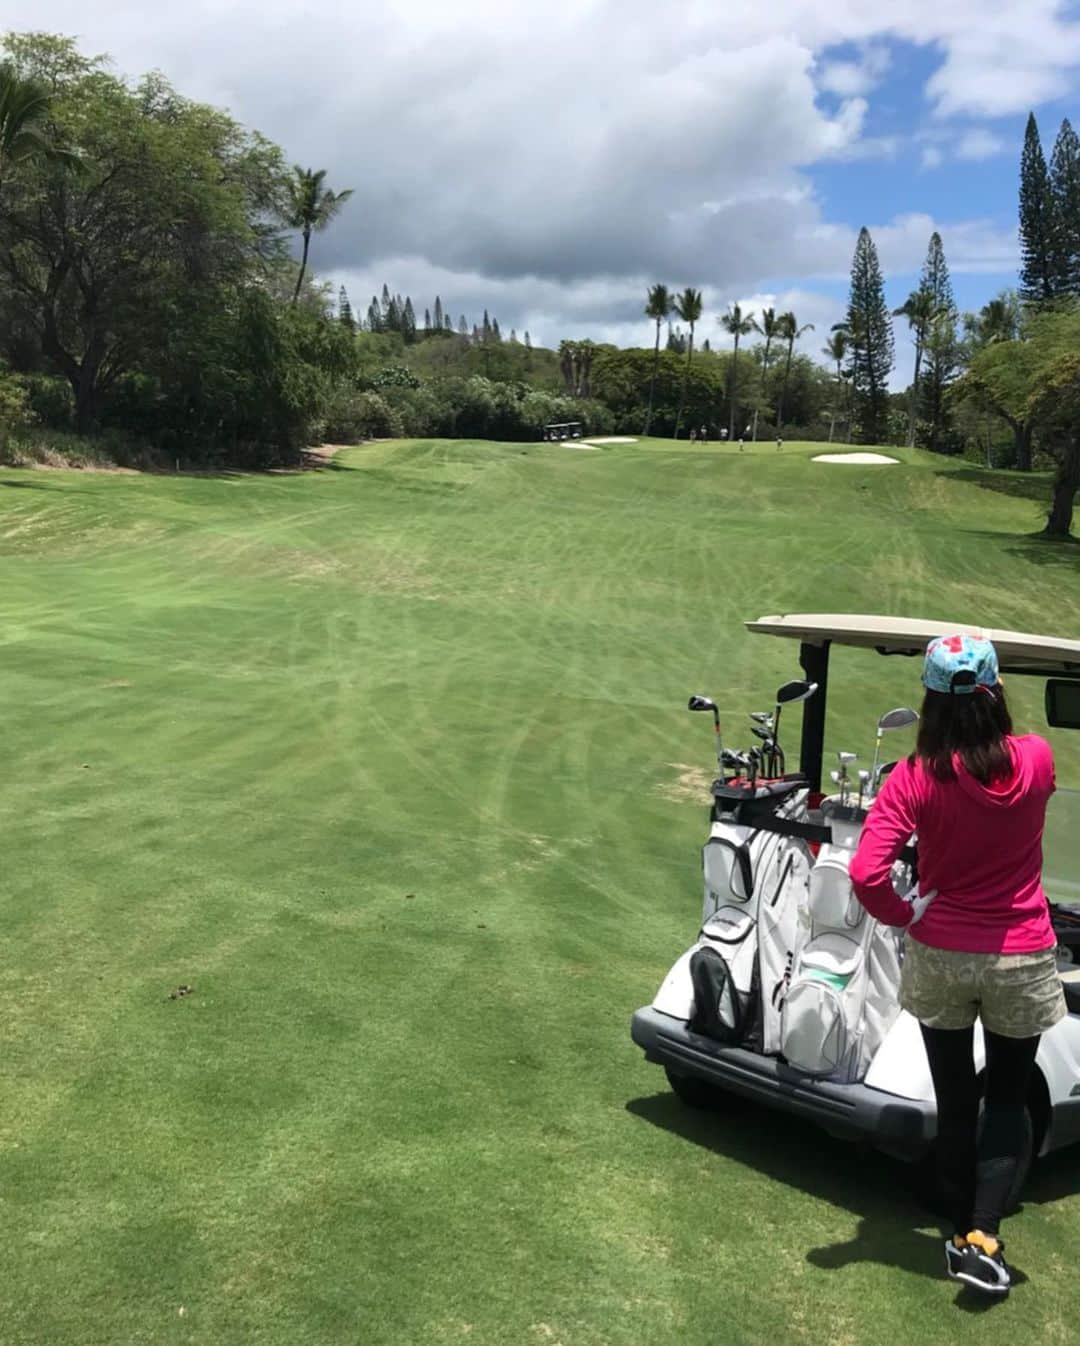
[{"x": 918, "y": 903}]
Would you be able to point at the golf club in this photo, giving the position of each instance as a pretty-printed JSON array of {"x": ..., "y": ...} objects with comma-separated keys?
[
  {"x": 845, "y": 759},
  {"x": 790, "y": 692},
  {"x": 703, "y": 703},
  {"x": 901, "y": 718},
  {"x": 864, "y": 781}
]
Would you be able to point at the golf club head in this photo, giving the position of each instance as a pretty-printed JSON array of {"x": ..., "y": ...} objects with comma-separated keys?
[
  {"x": 700, "y": 703},
  {"x": 798, "y": 690},
  {"x": 763, "y": 734},
  {"x": 845, "y": 758},
  {"x": 864, "y": 777},
  {"x": 834, "y": 776},
  {"x": 761, "y": 716},
  {"x": 901, "y": 718}
]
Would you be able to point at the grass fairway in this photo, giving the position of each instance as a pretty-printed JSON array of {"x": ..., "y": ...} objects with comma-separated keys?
[{"x": 390, "y": 763}]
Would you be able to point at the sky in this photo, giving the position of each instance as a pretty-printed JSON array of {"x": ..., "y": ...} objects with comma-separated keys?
[{"x": 549, "y": 160}]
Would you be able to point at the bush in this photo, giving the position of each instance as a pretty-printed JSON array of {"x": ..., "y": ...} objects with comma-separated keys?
[
  {"x": 374, "y": 418},
  {"x": 15, "y": 412},
  {"x": 51, "y": 400}
]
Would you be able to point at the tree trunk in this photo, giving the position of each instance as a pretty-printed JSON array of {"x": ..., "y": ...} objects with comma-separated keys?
[
  {"x": 733, "y": 390},
  {"x": 783, "y": 390},
  {"x": 764, "y": 376},
  {"x": 652, "y": 381},
  {"x": 303, "y": 264},
  {"x": 1066, "y": 484},
  {"x": 1022, "y": 435},
  {"x": 914, "y": 399},
  {"x": 686, "y": 377}
]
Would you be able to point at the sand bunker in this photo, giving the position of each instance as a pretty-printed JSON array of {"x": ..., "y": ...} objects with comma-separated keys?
[
  {"x": 868, "y": 459},
  {"x": 579, "y": 444},
  {"x": 613, "y": 439}
]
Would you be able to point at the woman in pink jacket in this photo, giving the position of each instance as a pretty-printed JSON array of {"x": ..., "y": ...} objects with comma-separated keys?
[{"x": 983, "y": 945}]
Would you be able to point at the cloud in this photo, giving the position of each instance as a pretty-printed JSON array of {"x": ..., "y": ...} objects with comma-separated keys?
[
  {"x": 980, "y": 143},
  {"x": 932, "y": 157},
  {"x": 558, "y": 158},
  {"x": 848, "y": 79}
]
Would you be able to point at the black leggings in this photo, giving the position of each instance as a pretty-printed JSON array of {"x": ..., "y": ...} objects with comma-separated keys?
[{"x": 976, "y": 1180}]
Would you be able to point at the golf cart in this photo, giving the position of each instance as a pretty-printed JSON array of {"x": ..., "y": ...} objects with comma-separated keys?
[{"x": 790, "y": 994}]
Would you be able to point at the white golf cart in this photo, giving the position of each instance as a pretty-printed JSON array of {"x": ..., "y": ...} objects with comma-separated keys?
[{"x": 790, "y": 993}]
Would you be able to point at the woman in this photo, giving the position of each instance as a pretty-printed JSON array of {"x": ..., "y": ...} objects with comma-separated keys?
[{"x": 982, "y": 945}]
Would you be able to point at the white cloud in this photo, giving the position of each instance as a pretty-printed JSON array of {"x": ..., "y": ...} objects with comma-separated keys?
[
  {"x": 932, "y": 157},
  {"x": 557, "y": 155},
  {"x": 979, "y": 143},
  {"x": 847, "y": 79}
]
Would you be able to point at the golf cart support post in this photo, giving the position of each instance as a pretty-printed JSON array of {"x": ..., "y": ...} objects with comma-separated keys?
[{"x": 1032, "y": 656}]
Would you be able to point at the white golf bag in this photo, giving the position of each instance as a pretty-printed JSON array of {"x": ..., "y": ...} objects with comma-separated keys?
[
  {"x": 844, "y": 994},
  {"x": 755, "y": 884}
]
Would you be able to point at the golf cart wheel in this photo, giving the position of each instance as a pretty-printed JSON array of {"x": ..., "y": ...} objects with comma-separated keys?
[{"x": 693, "y": 1092}]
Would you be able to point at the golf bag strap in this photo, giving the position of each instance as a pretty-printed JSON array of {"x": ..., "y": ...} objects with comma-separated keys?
[{"x": 818, "y": 832}]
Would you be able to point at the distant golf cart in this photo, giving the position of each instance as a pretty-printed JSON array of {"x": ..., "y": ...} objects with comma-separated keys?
[
  {"x": 790, "y": 993},
  {"x": 563, "y": 430}
]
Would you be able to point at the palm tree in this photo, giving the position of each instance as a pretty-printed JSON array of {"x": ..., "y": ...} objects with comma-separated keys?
[
  {"x": 688, "y": 306},
  {"x": 24, "y": 109},
  {"x": 836, "y": 348},
  {"x": 918, "y": 309},
  {"x": 657, "y": 307},
  {"x": 769, "y": 328},
  {"x": 790, "y": 331},
  {"x": 998, "y": 320},
  {"x": 310, "y": 208},
  {"x": 734, "y": 322}
]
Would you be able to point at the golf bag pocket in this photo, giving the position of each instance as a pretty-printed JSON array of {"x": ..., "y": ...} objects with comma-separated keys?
[
  {"x": 822, "y": 1015},
  {"x": 719, "y": 1009},
  {"x": 833, "y": 904},
  {"x": 728, "y": 871}
]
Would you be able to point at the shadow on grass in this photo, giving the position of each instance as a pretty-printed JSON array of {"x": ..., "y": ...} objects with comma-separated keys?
[
  {"x": 1034, "y": 486},
  {"x": 893, "y": 1200},
  {"x": 1037, "y": 548}
]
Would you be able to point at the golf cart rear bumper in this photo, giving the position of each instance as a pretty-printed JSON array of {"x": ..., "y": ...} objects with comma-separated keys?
[{"x": 900, "y": 1126}]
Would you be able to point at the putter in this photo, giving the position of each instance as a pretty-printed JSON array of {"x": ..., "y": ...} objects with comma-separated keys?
[
  {"x": 900, "y": 718},
  {"x": 703, "y": 703}
]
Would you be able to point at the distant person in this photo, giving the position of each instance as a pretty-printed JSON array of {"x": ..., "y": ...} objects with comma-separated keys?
[
  {"x": 703, "y": 434},
  {"x": 724, "y": 434},
  {"x": 779, "y": 443},
  {"x": 693, "y": 436},
  {"x": 740, "y": 443},
  {"x": 980, "y": 944}
]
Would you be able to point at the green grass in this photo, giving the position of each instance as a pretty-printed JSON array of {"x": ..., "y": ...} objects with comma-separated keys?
[{"x": 390, "y": 763}]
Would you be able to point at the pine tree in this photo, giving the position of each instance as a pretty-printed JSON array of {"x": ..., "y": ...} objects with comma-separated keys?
[
  {"x": 374, "y": 316},
  {"x": 486, "y": 330},
  {"x": 475, "y": 332},
  {"x": 706, "y": 345},
  {"x": 463, "y": 326},
  {"x": 408, "y": 320},
  {"x": 942, "y": 352},
  {"x": 496, "y": 334},
  {"x": 1065, "y": 193},
  {"x": 438, "y": 313},
  {"x": 392, "y": 321},
  {"x": 448, "y": 323},
  {"x": 513, "y": 337},
  {"x": 427, "y": 322},
  {"x": 1040, "y": 281},
  {"x": 869, "y": 325},
  {"x": 345, "y": 313},
  {"x": 385, "y": 301},
  {"x": 528, "y": 351}
]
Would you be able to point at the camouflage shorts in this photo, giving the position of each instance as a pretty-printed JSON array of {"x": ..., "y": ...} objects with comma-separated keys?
[{"x": 1016, "y": 995}]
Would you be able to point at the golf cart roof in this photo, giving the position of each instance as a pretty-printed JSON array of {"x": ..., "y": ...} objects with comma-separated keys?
[{"x": 1047, "y": 656}]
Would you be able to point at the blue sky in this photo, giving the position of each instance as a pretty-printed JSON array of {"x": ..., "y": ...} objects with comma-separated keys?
[{"x": 550, "y": 159}]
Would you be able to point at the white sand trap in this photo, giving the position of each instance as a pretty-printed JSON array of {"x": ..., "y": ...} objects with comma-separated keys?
[
  {"x": 578, "y": 444},
  {"x": 614, "y": 439},
  {"x": 868, "y": 459}
]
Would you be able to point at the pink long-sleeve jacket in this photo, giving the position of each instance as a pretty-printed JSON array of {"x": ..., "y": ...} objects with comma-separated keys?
[{"x": 979, "y": 846}]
